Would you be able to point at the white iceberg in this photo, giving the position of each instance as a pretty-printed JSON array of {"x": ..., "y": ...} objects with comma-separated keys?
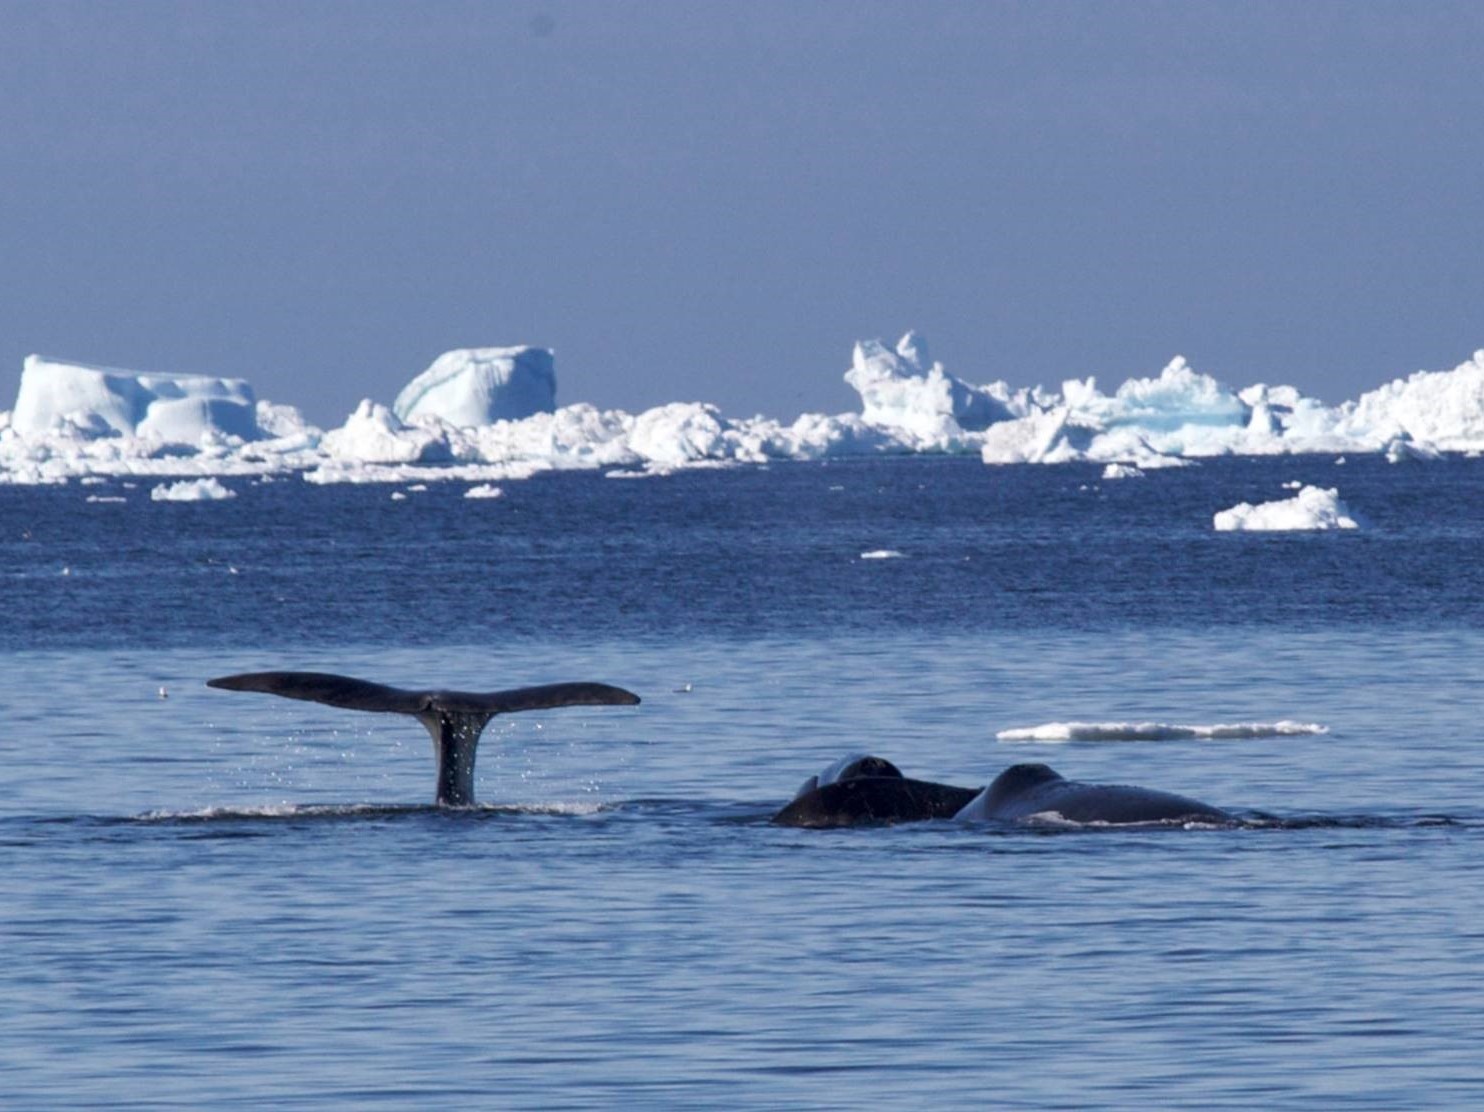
[
  {"x": 1443, "y": 410},
  {"x": 469, "y": 387},
  {"x": 75, "y": 399},
  {"x": 904, "y": 391},
  {"x": 484, "y": 490},
  {"x": 488, "y": 415},
  {"x": 1312, "y": 508}
]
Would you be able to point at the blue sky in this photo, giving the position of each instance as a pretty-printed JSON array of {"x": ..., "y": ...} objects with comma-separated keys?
[{"x": 710, "y": 202}]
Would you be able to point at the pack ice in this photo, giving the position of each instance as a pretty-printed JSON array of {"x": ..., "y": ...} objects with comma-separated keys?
[{"x": 487, "y": 415}]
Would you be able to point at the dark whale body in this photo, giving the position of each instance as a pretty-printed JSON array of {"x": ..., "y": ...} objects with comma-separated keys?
[
  {"x": 454, "y": 719},
  {"x": 861, "y": 794},
  {"x": 859, "y": 789},
  {"x": 1024, "y": 790},
  {"x": 875, "y": 799}
]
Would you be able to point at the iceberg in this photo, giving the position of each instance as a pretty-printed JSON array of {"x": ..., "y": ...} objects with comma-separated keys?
[
  {"x": 1313, "y": 508},
  {"x": 78, "y": 400},
  {"x": 903, "y": 390},
  {"x": 469, "y": 387},
  {"x": 1440, "y": 410},
  {"x": 489, "y": 415}
]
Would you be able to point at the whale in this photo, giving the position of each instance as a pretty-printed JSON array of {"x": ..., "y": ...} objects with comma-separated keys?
[
  {"x": 454, "y": 719},
  {"x": 1024, "y": 791},
  {"x": 860, "y": 790}
]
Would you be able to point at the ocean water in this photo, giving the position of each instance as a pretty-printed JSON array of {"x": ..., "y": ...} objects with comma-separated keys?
[{"x": 225, "y": 900}]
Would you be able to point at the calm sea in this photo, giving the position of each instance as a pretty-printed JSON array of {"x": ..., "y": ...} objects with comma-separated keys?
[{"x": 222, "y": 900}]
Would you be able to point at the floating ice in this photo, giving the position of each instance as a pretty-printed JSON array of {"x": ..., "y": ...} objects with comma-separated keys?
[
  {"x": 903, "y": 391},
  {"x": 488, "y": 415},
  {"x": 84, "y": 402},
  {"x": 1312, "y": 508},
  {"x": 197, "y": 490},
  {"x": 374, "y": 434},
  {"x": 479, "y": 386},
  {"x": 1122, "y": 471},
  {"x": 484, "y": 490},
  {"x": 1157, "y": 731},
  {"x": 1400, "y": 449},
  {"x": 882, "y": 554},
  {"x": 1441, "y": 409}
]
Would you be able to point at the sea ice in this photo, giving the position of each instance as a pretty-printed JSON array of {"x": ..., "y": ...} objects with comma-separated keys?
[
  {"x": 487, "y": 415},
  {"x": 1312, "y": 508},
  {"x": 81, "y": 401},
  {"x": 374, "y": 434},
  {"x": 1157, "y": 731},
  {"x": 904, "y": 391},
  {"x": 479, "y": 386},
  {"x": 192, "y": 490}
]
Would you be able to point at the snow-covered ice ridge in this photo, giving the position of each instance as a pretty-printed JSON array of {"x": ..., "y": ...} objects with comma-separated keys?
[{"x": 488, "y": 415}]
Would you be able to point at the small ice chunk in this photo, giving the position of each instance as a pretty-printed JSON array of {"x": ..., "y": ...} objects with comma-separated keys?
[
  {"x": 1122, "y": 471},
  {"x": 1313, "y": 508},
  {"x": 484, "y": 490},
  {"x": 192, "y": 490},
  {"x": 882, "y": 554},
  {"x": 1157, "y": 731}
]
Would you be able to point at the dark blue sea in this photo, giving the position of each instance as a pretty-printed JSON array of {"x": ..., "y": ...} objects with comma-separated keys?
[{"x": 213, "y": 899}]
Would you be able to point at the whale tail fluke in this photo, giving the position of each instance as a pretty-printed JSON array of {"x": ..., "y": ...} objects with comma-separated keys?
[
  {"x": 454, "y": 719},
  {"x": 354, "y": 694}
]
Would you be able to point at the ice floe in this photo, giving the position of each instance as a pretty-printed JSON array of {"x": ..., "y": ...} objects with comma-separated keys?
[
  {"x": 192, "y": 490},
  {"x": 489, "y": 415},
  {"x": 1157, "y": 731},
  {"x": 1311, "y": 508}
]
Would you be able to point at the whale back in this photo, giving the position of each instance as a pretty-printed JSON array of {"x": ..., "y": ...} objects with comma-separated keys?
[
  {"x": 1009, "y": 792},
  {"x": 1033, "y": 789}
]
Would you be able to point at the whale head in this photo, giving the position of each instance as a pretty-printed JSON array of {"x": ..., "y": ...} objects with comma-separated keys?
[{"x": 853, "y": 766}]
